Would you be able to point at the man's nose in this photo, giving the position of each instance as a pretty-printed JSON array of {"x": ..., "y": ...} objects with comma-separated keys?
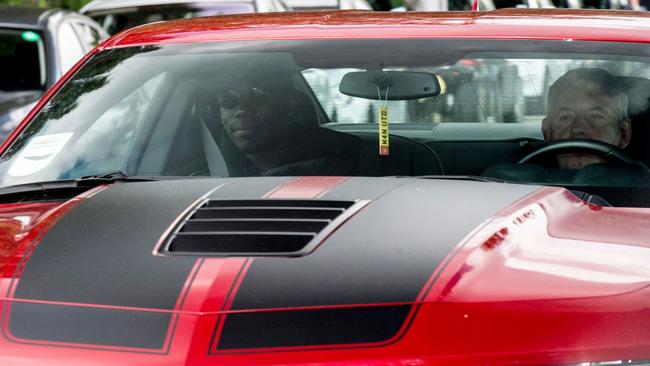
[{"x": 580, "y": 125}]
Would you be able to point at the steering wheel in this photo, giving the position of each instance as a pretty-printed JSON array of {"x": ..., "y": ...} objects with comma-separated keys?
[{"x": 594, "y": 147}]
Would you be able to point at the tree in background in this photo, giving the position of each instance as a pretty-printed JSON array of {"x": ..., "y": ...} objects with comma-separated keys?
[
  {"x": 65, "y": 4},
  {"x": 68, "y": 4}
]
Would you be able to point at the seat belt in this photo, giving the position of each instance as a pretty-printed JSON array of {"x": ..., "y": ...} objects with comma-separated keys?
[{"x": 213, "y": 155}]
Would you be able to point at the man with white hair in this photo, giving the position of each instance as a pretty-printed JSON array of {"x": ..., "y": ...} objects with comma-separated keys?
[{"x": 587, "y": 103}]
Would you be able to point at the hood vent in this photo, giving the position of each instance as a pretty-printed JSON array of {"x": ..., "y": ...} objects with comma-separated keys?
[{"x": 257, "y": 227}]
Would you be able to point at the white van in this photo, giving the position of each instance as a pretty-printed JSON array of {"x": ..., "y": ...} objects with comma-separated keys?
[
  {"x": 117, "y": 15},
  {"x": 328, "y": 4}
]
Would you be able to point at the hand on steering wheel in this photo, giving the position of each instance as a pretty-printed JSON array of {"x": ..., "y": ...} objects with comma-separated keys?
[{"x": 594, "y": 147}]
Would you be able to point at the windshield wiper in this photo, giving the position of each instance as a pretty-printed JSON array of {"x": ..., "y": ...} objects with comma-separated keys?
[
  {"x": 462, "y": 177},
  {"x": 63, "y": 188},
  {"x": 116, "y": 176}
]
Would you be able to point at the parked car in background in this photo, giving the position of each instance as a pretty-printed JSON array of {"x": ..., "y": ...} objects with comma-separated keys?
[
  {"x": 37, "y": 46},
  {"x": 337, "y": 188},
  {"x": 117, "y": 15},
  {"x": 328, "y": 4}
]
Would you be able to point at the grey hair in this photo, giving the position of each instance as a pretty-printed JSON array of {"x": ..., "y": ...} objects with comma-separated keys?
[{"x": 605, "y": 82}]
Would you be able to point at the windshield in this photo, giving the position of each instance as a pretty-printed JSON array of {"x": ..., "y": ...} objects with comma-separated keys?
[
  {"x": 561, "y": 113},
  {"x": 22, "y": 60},
  {"x": 116, "y": 20}
]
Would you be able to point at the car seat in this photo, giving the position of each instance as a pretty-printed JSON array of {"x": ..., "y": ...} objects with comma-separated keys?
[
  {"x": 407, "y": 157},
  {"x": 638, "y": 92}
]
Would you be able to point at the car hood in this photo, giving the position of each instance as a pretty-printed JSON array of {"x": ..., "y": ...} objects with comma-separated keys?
[{"x": 404, "y": 259}]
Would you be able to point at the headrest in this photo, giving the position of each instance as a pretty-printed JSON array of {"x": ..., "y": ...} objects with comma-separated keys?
[{"x": 638, "y": 93}]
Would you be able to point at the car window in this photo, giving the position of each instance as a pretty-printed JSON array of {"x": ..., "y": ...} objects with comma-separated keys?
[
  {"x": 313, "y": 4},
  {"x": 355, "y": 4},
  {"x": 280, "y": 5},
  {"x": 90, "y": 37},
  {"x": 70, "y": 47},
  {"x": 475, "y": 89},
  {"x": 270, "y": 6},
  {"x": 102, "y": 142},
  {"x": 328, "y": 107},
  {"x": 106, "y": 144},
  {"x": 22, "y": 60}
]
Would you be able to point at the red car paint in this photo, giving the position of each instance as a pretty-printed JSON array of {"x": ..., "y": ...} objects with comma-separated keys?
[
  {"x": 305, "y": 187},
  {"x": 17, "y": 221},
  {"x": 489, "y": 315},
  {"x": 499, "y": 298},
  {"x": 500, "y": 24}
]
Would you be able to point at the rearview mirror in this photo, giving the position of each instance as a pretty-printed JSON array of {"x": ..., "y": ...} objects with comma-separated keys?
[{"x": 401, "y": 85}]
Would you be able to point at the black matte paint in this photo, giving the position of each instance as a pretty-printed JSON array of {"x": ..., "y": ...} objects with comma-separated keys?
[
  {"x": 383, "y": 254},
  {"x": 102, "y": 253},
  {"x": 82, "y": 325},
  {"x": 313, "y": 327}
]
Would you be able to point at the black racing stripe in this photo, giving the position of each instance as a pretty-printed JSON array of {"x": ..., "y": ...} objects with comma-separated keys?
[
  {"x": 101, "y": 253},
  {"x": 384, "y": 254},
  {"x": 80, "y": 325},
  {"x": 313, "y": 327}
]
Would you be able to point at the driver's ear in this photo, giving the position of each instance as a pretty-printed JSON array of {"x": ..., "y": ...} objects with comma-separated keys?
[
  {"x": 626, "y": 133},
  {"x": 546, "y": 129}
]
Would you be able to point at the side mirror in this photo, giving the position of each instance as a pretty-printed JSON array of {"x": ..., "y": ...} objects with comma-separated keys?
[{"x": 401, "y": 85}]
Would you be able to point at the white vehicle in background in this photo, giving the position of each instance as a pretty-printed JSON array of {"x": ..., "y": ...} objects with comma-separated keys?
[
  {"x": 117, "y": 15},
  {"x": 328, "y": 4},
  {"x": 38, "y": 46}
]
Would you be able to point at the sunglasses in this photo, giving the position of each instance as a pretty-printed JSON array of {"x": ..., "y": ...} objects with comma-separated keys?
[{"x": 233, "y": 98}]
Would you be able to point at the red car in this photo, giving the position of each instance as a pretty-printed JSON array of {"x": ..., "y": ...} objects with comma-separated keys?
[{"x": 337, "y": 188}]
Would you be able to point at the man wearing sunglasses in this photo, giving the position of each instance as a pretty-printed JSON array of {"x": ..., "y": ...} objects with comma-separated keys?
[{"x": 271, "y": 129}]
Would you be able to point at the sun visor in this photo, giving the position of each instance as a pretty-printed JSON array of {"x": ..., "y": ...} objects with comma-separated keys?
[{"x": 243, "y": 68}]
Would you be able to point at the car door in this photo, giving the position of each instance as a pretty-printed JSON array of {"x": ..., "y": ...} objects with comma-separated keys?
[
  {"x": 90, "y": 34},
  {"x": 69, "y": 48},
  {"x": 76, "y": 36},
  {"x": 265, "y": 6}
]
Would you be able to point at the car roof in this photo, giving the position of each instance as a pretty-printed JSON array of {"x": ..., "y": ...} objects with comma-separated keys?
[
  {"x": 542, "y": 24},
  {"x": 25, "y": 16},
  {"x": 116, "y": 4}
]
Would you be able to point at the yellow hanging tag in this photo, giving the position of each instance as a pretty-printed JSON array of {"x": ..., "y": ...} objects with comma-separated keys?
[{"x": 384, "y": 143}]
